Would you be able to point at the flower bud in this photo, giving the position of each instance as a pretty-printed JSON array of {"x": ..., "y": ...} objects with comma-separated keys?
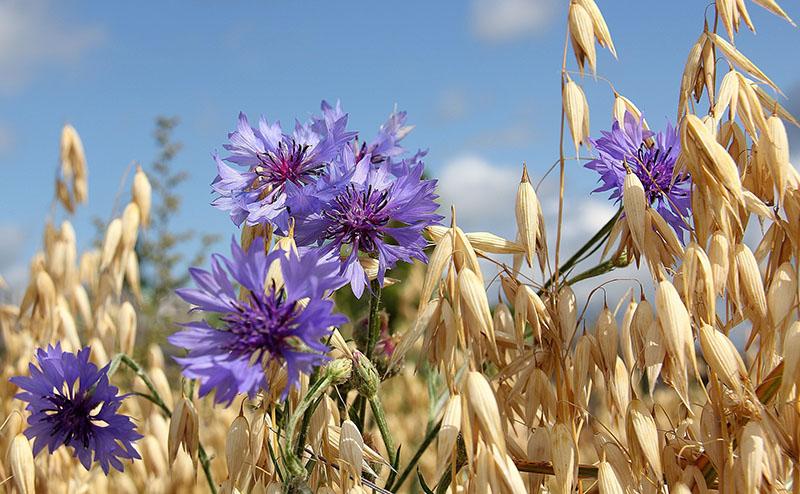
[
  {"x": 365, "y": 378},
  {"x": 339, "y": 370}
]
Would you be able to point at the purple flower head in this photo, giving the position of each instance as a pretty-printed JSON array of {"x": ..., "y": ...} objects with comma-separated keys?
[
  {"x": 651, "y": 156},
  {"x": 269, "y": 324},
  {"x": 276, "y": 165},
  {"x": 72, "y": 403},
  {"x": 375, "y": 212}
]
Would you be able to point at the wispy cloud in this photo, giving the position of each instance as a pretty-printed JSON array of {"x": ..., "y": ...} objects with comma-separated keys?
[
  {"x": 32, "y": 35},
  {"x": 505, "y": 20}
]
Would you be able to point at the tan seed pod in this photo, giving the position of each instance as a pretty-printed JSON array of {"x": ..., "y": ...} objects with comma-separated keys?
[
  {"x": 184, "y": 429},
  {"x": 20, "y": 461},
  {"x": 791, "y": 359},
  {"x": 607, "y": 338},
  {"x": 643, "y": 434},
  {"x": 565, "y": 458},
  {"x": 237, "y": 447},
  {"x": 141, "y": 192},
  {"x": 351, "y": 449},
  {"x": 600, "y": 27},
  {"x": 782, "y": 294},
  {"x": 473, "y": 295},
  {"x": 126, "y": 326},
  {"x": 722, "y": 357},
  {"x": 581, "y": 31},
  {"x": 776, "y": 148},
  {"x": 130, "y": 226},
  {"x": 752, "y": 456},
  {"x": 110, "y": 243},
  {"x": 750, "y": 280},
  {"x": 576, "y": 111},
  {"x": 526, "y": 210},
  {"x": 436, "y": 263},
  {"x": 567, "y": 312},
  {"x": 634, "y": 203},
  {"x": 73, "y": 159},
  {"x": 464, "y": 254},
  {"x": 607, "y": 479},
  {"x": 772, "y": 6},
  {"x": 493, "y": 244},
  {"x": 483, "y": 405},
  {"x": 719, "y": 255},
  {"x": 739, "y": 59},
  {"x": 448, "y": 435},
  {"x": 161, "y": 383}
]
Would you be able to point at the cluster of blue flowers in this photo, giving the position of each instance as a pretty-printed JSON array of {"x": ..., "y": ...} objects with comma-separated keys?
[{"x": 341, "y": 198}]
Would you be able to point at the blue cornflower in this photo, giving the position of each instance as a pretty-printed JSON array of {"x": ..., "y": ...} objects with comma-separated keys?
[
  {"x": 277, "y": 165},
  {"x": 374, "y": 210},
  {"x": 282, "y": 324},
  {"x": 72, "y": 404},
  {"x": 652, "y": 157}
]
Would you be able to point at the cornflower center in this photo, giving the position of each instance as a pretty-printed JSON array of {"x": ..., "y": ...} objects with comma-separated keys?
[
  {"x": 290, "y": 163},
  {"x": 72, "y": 414},
  {"x": 654, "y": 170},
  {"x": 263, "y": 326},
  {"x": 357, "y": 217}
]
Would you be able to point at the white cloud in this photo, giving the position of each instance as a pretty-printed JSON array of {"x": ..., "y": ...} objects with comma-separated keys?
[
  {"x": 482, "y": 193},
  {"x": 32, "y": 35},
  {"x": 504, "y": 20}
]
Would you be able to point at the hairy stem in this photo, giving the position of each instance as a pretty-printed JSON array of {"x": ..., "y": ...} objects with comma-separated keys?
[
  {"x": 383, "y": 427},
  {"x": 374, "y": 321}
]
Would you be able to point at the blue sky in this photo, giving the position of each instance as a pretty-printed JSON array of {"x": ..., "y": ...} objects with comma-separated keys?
[{"x": 479, "y": 79}]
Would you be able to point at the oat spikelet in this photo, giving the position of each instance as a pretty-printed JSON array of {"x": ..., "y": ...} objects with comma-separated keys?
[
  {"x": 581, "y": 32},
  {"x": 20, "y": 459},
  {"x": 601, "y": 31},
  {"x": 141, "y": 191},
  {"x": 634, "y": 203},
  {"x": 643, "y": 436},
  {"x": 576, "y": 109},
  {"x": 565, "y": 458},
  {"x": 526, "y": 210}
]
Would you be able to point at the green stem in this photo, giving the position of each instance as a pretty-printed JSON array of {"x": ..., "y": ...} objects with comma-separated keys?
[
  {"x": 576, "y": 257},
  {"x": 415, "y": 459},
  {"x": 374, "y": 321},
  {"x": 383, "y": 427},
  {"x": 292, "y": 461},
  {"x": 155, "y": 397}
]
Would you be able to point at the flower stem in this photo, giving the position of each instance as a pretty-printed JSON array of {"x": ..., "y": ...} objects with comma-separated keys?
[
  {"x": 383, "y": 427},
  {"x": 155, "y": 397},
  {"x": 415, "y": 459},
  {"x": 292, "y": 460},
  {"x": 374, "y": 321}
]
